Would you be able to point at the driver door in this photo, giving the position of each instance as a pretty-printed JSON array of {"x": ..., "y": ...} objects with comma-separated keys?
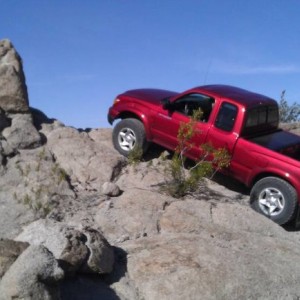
[{"x": 166, "y": 123}]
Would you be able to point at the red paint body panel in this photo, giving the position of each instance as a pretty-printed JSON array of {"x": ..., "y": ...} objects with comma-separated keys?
[{"x": 255, "y": 156}]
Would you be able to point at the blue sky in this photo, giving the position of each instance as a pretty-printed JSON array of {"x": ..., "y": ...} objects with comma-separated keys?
[{"x": 78, "y": 55}]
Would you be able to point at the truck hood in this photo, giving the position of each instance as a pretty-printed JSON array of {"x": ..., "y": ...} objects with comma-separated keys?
[{"x": 149, "y": 95}]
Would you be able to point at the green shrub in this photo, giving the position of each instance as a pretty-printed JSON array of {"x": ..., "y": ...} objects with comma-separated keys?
[
  {"x": 135, "y": 156},
  {"x": 62, "y": 175},
  {"x": 182, "y": 180}
]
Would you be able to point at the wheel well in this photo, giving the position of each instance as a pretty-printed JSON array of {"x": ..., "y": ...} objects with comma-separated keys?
[
  {"x": 128, "y": 114},
  {"x": 131, "y": 115},
  {"x": 263, "y": 175}
]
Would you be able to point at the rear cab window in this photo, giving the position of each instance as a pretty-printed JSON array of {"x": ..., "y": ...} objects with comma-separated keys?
[
  {"x": 226, "y": 116},
  {"x": 260, "y": 119}
]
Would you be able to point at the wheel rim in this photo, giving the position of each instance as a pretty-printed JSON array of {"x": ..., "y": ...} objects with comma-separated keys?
[
  {"x": 127, "y": 139},
  {"x": 271, "y": 201}
]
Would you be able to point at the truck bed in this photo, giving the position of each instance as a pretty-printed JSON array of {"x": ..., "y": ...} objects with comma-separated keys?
[{"x": 280, "y": 141}]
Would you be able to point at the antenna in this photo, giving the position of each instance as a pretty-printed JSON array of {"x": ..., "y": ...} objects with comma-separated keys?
[{"x": 207, "y": 70}]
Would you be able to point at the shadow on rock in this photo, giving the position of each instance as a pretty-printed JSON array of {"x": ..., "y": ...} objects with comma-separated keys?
[
  {"x": 153, "y": 152},
  {"x": 294, "y": 225},
  {"x": 90, "y": 287},
  {"x": 230, "y": 184},
  {"x": 120, "y": 267},
  {"x": 96, "y": 286},
  {"x": 39, "y": 118}
]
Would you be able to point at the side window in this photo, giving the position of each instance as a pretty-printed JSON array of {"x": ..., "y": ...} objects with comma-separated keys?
[
  {"x": 189, "y": 103},
  {"x": 226, "y": 116}
]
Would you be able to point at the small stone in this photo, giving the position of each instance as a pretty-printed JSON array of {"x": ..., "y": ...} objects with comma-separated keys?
[{"x": 111, "y": 189}]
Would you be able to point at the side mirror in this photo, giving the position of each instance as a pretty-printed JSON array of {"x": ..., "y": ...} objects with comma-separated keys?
[{"x": 166, "y": 104}]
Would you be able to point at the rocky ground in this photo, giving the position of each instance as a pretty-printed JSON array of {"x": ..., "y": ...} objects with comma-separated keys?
[{"x": 78, "y": 222}]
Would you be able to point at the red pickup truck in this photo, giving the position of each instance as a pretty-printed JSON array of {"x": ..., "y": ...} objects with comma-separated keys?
[{"x": 263, "y": 157}]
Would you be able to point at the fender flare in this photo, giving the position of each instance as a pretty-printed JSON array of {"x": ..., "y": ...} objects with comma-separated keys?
[{"x": 134, "y": 112}]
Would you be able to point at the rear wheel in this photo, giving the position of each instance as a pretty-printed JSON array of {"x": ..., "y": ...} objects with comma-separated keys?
[
  {"x": 275, "y": 198},
  {"x": 128, "y": 135}
]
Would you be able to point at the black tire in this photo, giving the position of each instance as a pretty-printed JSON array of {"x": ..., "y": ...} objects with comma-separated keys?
[
  {"x": 275, "y": 198},
  {"x": 128, "y": 135}
]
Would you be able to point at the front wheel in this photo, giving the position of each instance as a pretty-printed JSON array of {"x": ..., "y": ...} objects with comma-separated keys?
[
  {"x": 129, "y": 134},
  {"x": 274, "y": 198}
]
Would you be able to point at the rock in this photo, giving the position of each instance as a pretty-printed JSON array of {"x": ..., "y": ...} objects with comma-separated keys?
[
  {"x": 89, "y": 164},
  {"x": 145, "y": 175},
  {"x": 194, "y": 216},
  {"x": 111, "y": 189},
  {"x": 83, "y": 250},
  {"x": 4, "y": 120},
  {"x": 9, "y": 252},
  {"x": 187, "y": 216},
  {"x": 39, "y": 118},
  {"x": 32, "y": 184},
  {"x": 101, "y": 255},
  {"x": 16, "y": 124},
  {"x": 101, "y": 136},
  {"x": 240, "y": 218},
  {"x": 13, "y": 214},
  {"x": 132, "y": 215},
  {"x": 180, "y": 249},
  {"x": 44, "y": 124},
  {"x": 7, "y": 150},
  {"x": 13, "y": 90},
  {"x": 34, "y": 275},
  {"x": 213, "y": 265},
  {"x": 22, "y": 134},
  {"x": 34, "y": 181},
  {"x": 72, "y": 251}
]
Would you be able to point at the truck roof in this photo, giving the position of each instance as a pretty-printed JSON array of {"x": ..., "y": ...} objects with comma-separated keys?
[{"x": 244, "y": 97}]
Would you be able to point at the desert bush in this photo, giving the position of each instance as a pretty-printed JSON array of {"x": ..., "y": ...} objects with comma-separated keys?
[
  {"x": 182, "y": 180},
  {"x": 135, "y": 156}
]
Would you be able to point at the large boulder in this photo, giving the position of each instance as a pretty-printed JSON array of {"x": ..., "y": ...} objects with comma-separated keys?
[
  {"x": 31, "y": 186},
  {"x": 16, "y": 125},
  {"x": 34, "y": 275},
  {"x": 214, "y": 264},
  {"x": 22, "y": 134},
  {"x": 79, "y": 250},
  {"x": 9, "y": 252},
  {"x": 88, "y": 163},
  {"x": 13, "y": 90},
  {"x": 213, "y": 247},
  {"x": 208, "y": 250}
]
